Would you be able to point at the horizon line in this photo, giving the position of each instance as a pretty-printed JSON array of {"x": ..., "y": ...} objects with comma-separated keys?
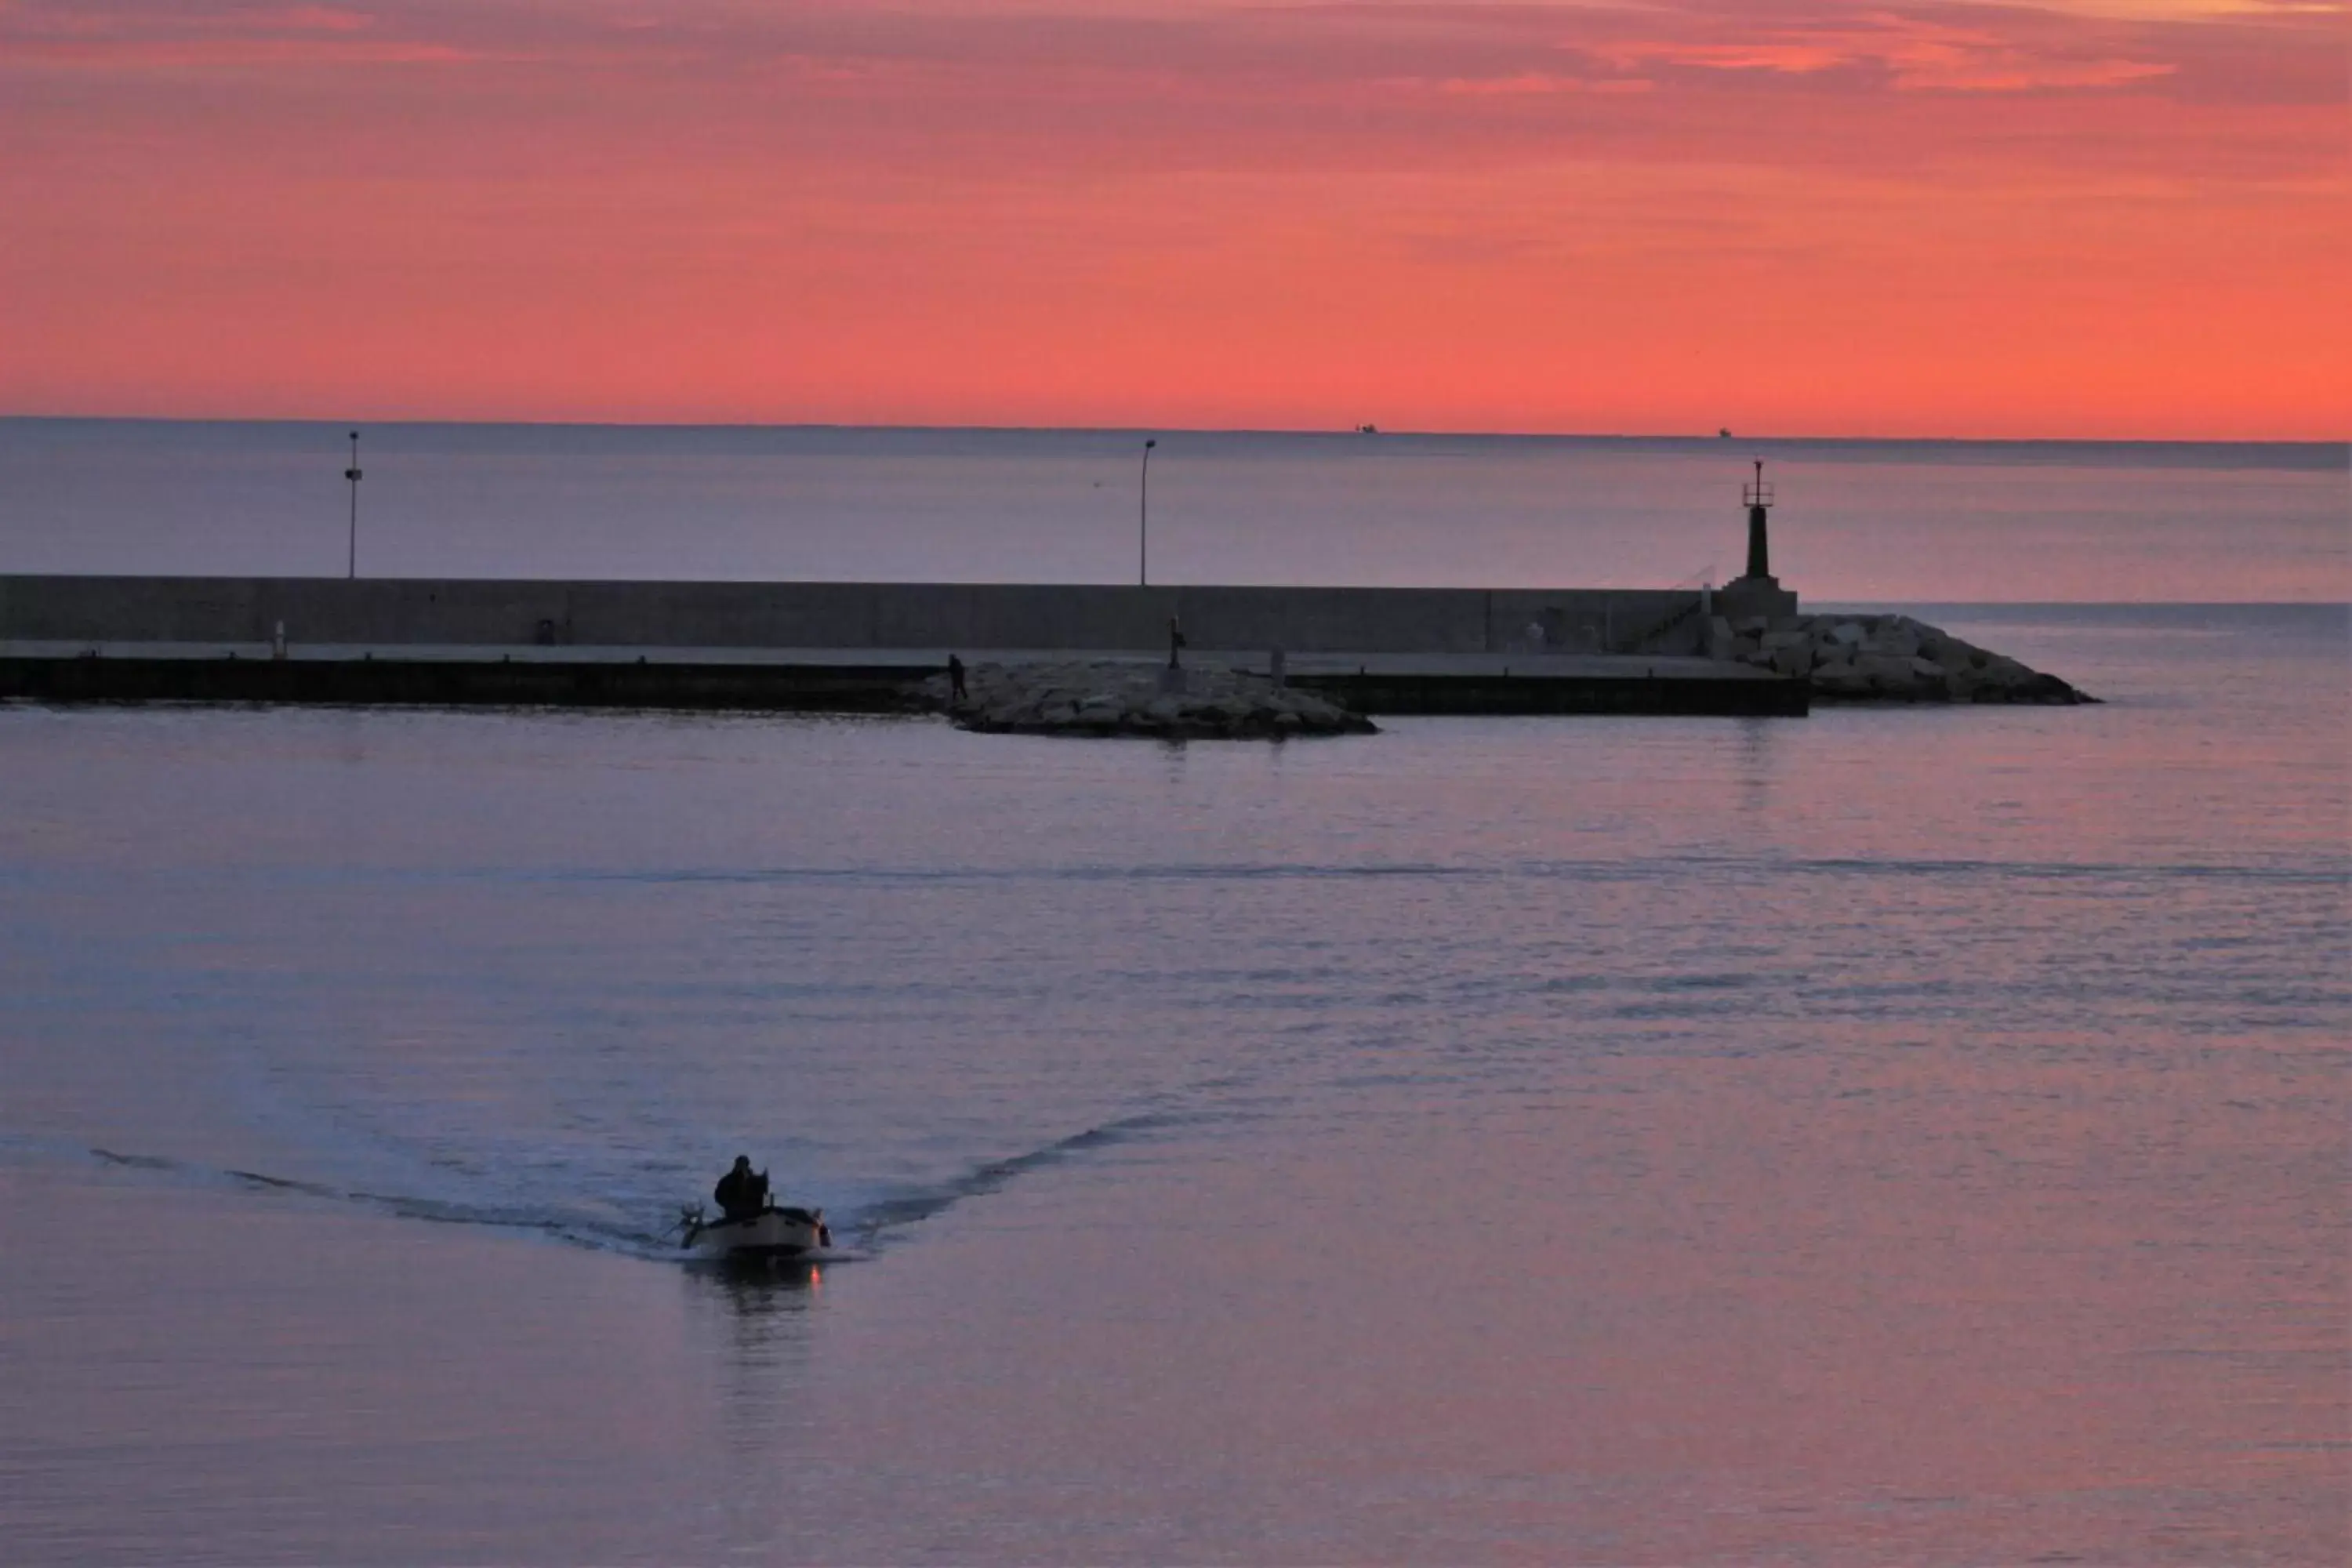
[{"x": 1372, "y": 433}]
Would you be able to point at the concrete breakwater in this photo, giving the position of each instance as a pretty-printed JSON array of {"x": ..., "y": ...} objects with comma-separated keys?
[
  {"x": 869, "y": 680},
  {"x": 852, "y": 647},
  {"x": 984, "y": 616},
  {"x": 1887, "y": 658},
  {"x": 866, "y": 646}
]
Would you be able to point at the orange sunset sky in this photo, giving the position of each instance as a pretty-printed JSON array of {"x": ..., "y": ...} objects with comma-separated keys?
[{"x": 2082, "y": 217}]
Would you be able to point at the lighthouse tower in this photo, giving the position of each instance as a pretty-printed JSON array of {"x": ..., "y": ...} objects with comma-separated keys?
[
  {"x": 1757, "y": 592},
  {"x": 1758, "y": 495}
]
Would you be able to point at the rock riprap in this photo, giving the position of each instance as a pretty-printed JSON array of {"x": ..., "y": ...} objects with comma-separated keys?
[
  {"x": 1889, "y": 659},
  {"x": 1109, "y": 698}
]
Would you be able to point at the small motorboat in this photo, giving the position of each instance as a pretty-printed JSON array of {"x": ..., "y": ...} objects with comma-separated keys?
[{"x": 775, "y": 1232}]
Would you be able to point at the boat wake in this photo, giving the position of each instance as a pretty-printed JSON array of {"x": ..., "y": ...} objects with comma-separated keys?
[
  {"x": 864, "y": 1228},
  {"x": 580, "y": 1228},
  {"x": 872, "y": 1221}
]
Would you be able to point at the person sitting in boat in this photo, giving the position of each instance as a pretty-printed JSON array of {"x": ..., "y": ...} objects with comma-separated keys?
[{"x": 742, "y": 1193}]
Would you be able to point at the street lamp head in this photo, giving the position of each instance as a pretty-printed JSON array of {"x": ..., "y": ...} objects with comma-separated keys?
[{"x": 1147, "y": 445}]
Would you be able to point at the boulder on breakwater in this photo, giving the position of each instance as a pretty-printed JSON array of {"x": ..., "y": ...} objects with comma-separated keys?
[
  {"x": 1886, "y": 659},
  {"x": 1105, "y": 697}
]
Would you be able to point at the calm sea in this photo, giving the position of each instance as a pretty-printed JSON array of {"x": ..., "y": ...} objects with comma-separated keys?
[
  {"x": 1894, "y": 520},
  {"x": 1912, "y": 1136}
]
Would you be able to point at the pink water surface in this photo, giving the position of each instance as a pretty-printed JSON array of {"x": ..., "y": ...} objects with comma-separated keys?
[{"x": 1880, "y": 1137}]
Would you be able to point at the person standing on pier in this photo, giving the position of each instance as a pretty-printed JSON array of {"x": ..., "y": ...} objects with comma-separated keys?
[{"x": 956, "y": 693}]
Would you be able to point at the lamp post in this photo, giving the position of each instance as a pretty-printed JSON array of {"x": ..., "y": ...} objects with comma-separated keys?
[
  {"x": 1143, "y": 521},
  {"x": 351, "y": 566}
]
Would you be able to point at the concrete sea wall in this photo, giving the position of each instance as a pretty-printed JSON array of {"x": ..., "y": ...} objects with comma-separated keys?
[
  {"x": 600, "y": 679},
  {"x": 948, "y": 616}
]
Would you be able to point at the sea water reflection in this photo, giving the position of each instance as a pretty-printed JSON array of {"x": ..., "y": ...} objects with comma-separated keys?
[
  {"x": 757, "y": 1330},
  {"x": 1906, "y": 1136}
]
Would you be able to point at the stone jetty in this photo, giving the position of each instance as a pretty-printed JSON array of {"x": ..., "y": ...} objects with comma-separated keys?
[
  {"x": 1110, "y": 697},
  {"x": 1886, "y": 659}
]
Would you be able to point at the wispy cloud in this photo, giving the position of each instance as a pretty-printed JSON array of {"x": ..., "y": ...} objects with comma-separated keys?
[
  {"x": 133, "y": 39},
  {"x": 1906, "y": 52}
]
